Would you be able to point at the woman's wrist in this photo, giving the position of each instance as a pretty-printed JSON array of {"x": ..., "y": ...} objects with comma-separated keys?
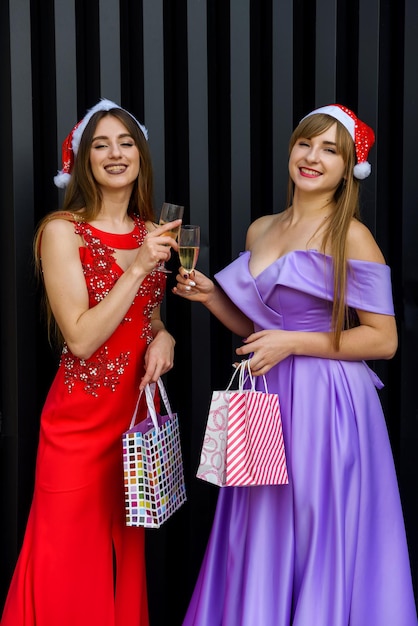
[
  {"x": 297, "y": 347},
  {"x": 138, "y": 274},
  {"x": 212, "y": 297},
  {"x": 161, "y": 329}
]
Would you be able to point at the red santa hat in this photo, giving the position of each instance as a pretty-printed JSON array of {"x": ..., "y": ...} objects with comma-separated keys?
[
  {"x": 71, "y": 143},
  {"x": 362, "y": 135}
]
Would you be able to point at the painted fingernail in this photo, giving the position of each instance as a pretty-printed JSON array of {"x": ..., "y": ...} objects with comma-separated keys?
[
  {"x": 186, "y": 276},
  {"x": 192, "y": 283},
  {"x": 187, "y": 288}
]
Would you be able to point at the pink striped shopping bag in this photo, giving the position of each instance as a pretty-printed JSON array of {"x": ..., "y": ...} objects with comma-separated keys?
[{"x": 243, "y": 443}]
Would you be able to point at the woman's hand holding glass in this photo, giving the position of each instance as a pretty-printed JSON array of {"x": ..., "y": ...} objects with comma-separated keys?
[
  {"x": 190, "y": 283},
  {"x": 194, "y": 286},
  {"x": 156, "y": 249}
]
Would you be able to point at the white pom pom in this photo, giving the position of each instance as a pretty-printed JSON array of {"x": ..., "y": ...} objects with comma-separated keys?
[
  {"x": 62, "y": 179},
  {"x": 362, "y": 170}
]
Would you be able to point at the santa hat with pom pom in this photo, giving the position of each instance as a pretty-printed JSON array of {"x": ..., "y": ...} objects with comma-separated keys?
[
  {"x": 362, "y": 135},
  {"x": 72, "y": 142}
]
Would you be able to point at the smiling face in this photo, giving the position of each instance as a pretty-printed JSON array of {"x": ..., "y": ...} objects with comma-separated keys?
[
  {"x": 114, "y": 156},
  {"x": 315, "y": 163}
]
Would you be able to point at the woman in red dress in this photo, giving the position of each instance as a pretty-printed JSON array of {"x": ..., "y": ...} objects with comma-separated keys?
[{"x": 79, "y": 564}]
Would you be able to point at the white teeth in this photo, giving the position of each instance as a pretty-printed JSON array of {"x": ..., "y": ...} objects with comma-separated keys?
[
  {"x": 306, "y": 170},
  {"x": 115, "y": 169}
]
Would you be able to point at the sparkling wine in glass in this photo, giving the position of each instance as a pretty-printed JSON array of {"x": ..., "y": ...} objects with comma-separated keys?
[
  {"x": 189, "y": 246},
  {"x": 170, "y": 213}
]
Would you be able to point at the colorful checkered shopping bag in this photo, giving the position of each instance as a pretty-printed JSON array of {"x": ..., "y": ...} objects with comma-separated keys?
[
  {"x": 153, "y": 465},
  {"x": 243, "y": 442}
]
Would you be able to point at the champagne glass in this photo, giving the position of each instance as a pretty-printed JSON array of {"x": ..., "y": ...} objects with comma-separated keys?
[
  {"x": 189, "y": 246},
  {"x": 170, "y": 213}
]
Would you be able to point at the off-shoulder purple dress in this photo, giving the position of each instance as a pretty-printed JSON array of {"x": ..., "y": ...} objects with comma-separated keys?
[{"x": 329, "y": 549}]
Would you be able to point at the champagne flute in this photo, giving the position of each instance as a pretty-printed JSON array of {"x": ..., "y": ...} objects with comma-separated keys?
[
  {"x": 170, "y": 213},
  {"x": 189, "y": 246}
]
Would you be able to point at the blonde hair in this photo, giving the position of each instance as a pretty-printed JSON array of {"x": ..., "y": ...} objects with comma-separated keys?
[
  {"x": 346, "y": 200},
  {"x": 83, "y": 197}
]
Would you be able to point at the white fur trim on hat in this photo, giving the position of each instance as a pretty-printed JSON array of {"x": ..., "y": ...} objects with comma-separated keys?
[
  {"x": 102, "y": 105},
  {"x": 339, "y": 115}
]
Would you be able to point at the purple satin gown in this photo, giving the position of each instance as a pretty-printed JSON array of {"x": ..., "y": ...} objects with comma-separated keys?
[{"x": 329, "y": 549}]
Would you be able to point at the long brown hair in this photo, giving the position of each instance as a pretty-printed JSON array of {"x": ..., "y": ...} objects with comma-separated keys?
[
  {"x": 346, "y": 200},
  {"x": 83, "y": 197}
]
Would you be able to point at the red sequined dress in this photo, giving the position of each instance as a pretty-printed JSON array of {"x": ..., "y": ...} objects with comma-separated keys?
[{"x": 79, "y": 564}]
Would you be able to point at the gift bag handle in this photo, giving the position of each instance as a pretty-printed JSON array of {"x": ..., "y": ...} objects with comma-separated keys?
[
  {"x": 237, "y": 368},
  {"x": 244, "y": 369},
  {"x": 149, "y": 396}
]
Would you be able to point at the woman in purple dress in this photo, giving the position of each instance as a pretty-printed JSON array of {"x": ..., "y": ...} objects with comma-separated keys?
[{"x": 312, "y": 297}]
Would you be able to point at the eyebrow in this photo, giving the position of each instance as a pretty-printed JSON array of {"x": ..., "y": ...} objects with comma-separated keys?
[
  {"x": 121, "y": 136},
  {"x": 325, "y": 142}
]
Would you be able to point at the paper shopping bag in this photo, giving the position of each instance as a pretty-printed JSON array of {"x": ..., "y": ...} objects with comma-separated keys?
[
  {"x": 153, "y": 466},
  {"x": 243, "y": 443},
  {"x": 212, "y": 466}
]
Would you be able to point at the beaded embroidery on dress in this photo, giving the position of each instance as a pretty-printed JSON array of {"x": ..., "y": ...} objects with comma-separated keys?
[{"x": 101, "y": 273}]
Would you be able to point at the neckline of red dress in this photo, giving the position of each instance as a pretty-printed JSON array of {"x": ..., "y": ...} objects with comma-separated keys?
[{"x": 120, "y": 241}]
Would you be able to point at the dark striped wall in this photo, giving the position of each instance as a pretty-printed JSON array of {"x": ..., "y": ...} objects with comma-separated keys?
[{"x": 220, "y": 85}]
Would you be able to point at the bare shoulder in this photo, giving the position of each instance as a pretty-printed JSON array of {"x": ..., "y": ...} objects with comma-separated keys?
[
  {"x": 258, "y": 228},
  {"x": 58, "y": 227},
  {"x": 58, "y": 237},
  {"x": 361, "y": 244}
]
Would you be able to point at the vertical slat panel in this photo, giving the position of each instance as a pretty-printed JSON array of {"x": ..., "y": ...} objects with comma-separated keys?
[
  {"x": 154, "y": 91},
  {"x": 261, "y": 89},
  {"x": 18, "y": 346},
  {"x": 109, "y": 50},
  {"x": 326, "y": 51},
  {"x": 66, "y": 71},
  {"x": 368, "y": 89},
  {"x": 198, "y": 123},
  {"x": 88, "y": 54},
  {"x": 409, "y": 336},
  {"x": 153, "y": 43},
  {"x": 303, "y": 57},
  {"x": 9, "y": 495},
  {"x": 240, "y": 123},
  {"x": 43, "y": 93},
  {"x": 200, "y": 506},
  {"x": 282, "y": 23},
  {"x": 199, "y": 201},
  {"x": 20, "y": 227},
  {"x": 132, "y": 56}
]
